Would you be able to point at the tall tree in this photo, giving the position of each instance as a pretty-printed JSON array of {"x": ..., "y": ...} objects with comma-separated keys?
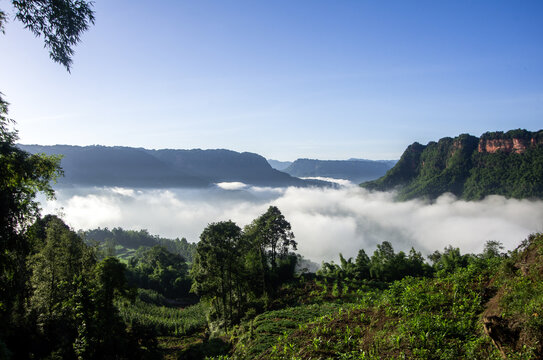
[
  {"x": 59, "y": 258},
  {"x": 22, "y": 176},
  {"x": 61, "y": 23},
  {"x": 274, "y": 233},
  {"x": 216, "y": 268}
]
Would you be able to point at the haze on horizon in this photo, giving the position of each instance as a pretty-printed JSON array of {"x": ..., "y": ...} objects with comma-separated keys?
[
  {"x": 287, "y": 80},
  {"x": 325, "y": 221}
]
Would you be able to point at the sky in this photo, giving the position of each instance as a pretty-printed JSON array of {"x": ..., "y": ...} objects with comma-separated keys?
[{"x": 285, "y": 79}]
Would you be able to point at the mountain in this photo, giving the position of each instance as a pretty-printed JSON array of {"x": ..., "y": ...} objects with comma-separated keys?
[
  {"x": 279, "y": 165},
  {"x": 497, "y": 163},
  {"x": 354, "y": 170},
  {"x": 137, "y": 167},
  {"x": 390, "y": 163}
]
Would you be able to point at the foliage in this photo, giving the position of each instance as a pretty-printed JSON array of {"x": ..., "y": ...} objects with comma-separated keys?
[
  {"x": 158, "y": 269},
  {"x": 70, "y": 311},
  {"x": 163, "y": 320},
  {"x": 22, "y": 176},
  {"x": 131, "y": 239},
  {"x": 60, "y": 22},
  {"x": 257, "y": 335},
  {"x": 237, "y": 271},
  {"x": 217, "y": 270},
  {"x": 520, "y": 303},
  {"x": 429, "y": 317},
  {"x": 457, "y": 166},
  {"x": 383, "y": 267}
]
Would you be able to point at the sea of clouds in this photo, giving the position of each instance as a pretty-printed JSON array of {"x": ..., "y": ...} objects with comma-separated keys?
[{"x": 325, "y": 221}]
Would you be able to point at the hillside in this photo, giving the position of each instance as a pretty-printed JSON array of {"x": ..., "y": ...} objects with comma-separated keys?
[
  {"x": 497, "y": 163},
  {"x": 355, "y": 170},
  {"x": 126, "y": 166},
  {"x": 484, "y": 306},
  {"x": 124, "y": 243},
  {"x": 279, "y": 165}
]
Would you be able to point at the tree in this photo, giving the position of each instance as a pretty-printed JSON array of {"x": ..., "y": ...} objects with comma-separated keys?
[
  {"x": 362, "y": 265},
  {"x": 160, "y": 270},
  {"x": 58, "y": 259},
  {"x": 216, "y": 269},
  {"x": 269, "y": 238},
  {"x": 60, "y": 22},
  {"x": 449, "y": 260},
  {"x": 381, "y": 261},
  {"x": 22, "y": 176},
  {"x": 274, "y": 233}
]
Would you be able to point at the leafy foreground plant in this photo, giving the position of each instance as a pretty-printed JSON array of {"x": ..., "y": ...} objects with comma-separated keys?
[
  {"x": 513, "y": 317},
  {"x": 489, "y": 309}
]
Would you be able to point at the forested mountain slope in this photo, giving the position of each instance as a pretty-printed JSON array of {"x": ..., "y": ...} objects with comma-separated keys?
[
  {"x": 126, "y": 166},
  {"x": 497, "y": 163}
]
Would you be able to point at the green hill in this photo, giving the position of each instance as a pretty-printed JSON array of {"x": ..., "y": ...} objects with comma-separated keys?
[
  {"x": 166, "y": 168},
  {"x": 497, "y": 163}
]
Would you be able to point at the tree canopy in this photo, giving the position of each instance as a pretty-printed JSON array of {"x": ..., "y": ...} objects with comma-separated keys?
[{"x": 59, "y": 22}]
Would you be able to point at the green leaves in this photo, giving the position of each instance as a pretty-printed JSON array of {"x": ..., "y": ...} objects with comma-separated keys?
[
  {"x": 462, "y": 166},
  {"x": 60, "y": 22}
]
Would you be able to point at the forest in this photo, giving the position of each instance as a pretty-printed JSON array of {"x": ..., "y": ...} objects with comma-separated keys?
[
  {"x": 463, "y": 167},
  {"x": 245, "y": 292},
  {"x": 239, "y": 294}
]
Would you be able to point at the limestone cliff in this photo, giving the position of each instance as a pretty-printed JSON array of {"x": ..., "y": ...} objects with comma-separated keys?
[
  {"x": 515, "y": 141},
  {"x": 509, "y": 164}
]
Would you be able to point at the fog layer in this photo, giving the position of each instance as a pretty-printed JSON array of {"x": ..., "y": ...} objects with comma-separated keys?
[{"x": 325, "y": 221}]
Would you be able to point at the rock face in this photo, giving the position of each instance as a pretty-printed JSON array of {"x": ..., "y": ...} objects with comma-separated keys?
[
  {"x": 137, "y": 167},
  {"x": 516, "y": 141},
  {"x": 509, "y": 164}
]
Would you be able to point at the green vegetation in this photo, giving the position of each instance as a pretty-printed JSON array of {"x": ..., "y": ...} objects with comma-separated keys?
[
  {"x": 158, "y": 269},
  {"x": 163, "y": 320},
  {"x": 484, "y": 306},
  {"x": 61, "y": 297},
  {"x": 251, "y": 304},
  {"x": 459, "y": 167},
  {"x": 124, "y": 243},
  {"x": 239, "y": 272}
]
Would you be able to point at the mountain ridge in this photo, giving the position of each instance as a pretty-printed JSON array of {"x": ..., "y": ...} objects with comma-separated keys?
[
  {"x": 355, "y": 170},
  {"x": 98, "y": 165},
  {"x": 497, "y": 163}
]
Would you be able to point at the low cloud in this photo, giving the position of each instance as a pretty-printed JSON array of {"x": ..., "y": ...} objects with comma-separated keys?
[
  {"x": 341, "y": 182},
  {"x": 325, "y": 221},
  {"x": 232, "y": 185}
]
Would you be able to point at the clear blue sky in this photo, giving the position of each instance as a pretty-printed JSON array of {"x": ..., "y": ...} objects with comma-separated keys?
[{"x": 285, "y": 79}]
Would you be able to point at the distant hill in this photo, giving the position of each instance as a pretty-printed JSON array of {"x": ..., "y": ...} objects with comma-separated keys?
[
  {"x": 509, "y": 164},
  {"x": 279, "y": 165},
  {"x": 390, "y": 163},
  {"x": 137, "y": 167},
  {"x": 355, "y": 170},
  {"x": 130, "y": 240}
]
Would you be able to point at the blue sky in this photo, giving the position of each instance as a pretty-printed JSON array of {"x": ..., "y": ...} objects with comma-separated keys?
[{"x": 285, "y": 79}]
